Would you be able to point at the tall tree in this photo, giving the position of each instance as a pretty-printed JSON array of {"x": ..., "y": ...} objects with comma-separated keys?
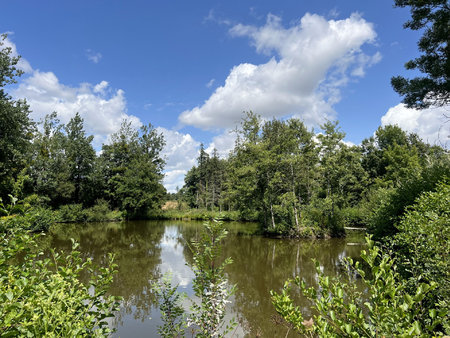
[
  {"x": 16, "y": 128},
  {"x": 80, "y": 155},
  {"x": 49, "y": 170},
  {"x": 133, "y": 169},
  {"x": 433, "y": 89}
]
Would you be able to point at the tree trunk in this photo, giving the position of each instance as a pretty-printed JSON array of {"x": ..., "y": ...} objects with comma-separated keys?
[{"x": 273, "y": 218}]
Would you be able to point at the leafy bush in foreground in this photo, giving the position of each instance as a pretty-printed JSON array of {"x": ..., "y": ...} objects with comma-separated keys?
[
  {"x": 44, "y": 297},
  {"x": 206, "y": 317},
  {"x": 389, "y": 311},
  {"x": 422, "y": 247}
]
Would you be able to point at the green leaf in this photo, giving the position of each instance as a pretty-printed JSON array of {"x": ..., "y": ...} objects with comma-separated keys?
[{"x": 9, "y": 295}]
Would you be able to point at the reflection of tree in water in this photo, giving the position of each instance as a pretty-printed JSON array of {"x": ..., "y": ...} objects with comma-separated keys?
[
  {"x": 261, "y": 264},
  {"x": 136, "y": 246}
]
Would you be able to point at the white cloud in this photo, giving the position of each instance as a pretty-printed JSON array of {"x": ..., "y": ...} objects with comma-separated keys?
[
  {"x": 93, "y": 56},
  {"x": 223, "y": 143},
  {"x": 102, "y": 112},
  {"x": 431, "y": 124},
  {"x": 210, "y": 83},
  {"x": 309, "y": 64},
  {"x": 181, "y": 152}
]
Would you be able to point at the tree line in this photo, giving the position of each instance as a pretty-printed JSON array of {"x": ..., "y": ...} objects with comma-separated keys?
[
  {"x": 292, "y": 179},
  {"x": 54, "y": 164}
]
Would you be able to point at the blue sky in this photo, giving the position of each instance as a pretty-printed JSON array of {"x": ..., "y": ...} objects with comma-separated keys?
[{"x": 191, "y": 67}]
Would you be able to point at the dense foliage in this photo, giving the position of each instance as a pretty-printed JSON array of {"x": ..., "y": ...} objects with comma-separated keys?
[
  {"x": 16, "y": 128},
  {"x": 297, "y": 183},
  {"x": 408, "y": 295}
]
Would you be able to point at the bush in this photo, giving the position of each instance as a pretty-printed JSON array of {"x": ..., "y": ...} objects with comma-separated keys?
[
  {"x": 422, "y": 245},
  {"x": 353, "y": 217},
  {"x": 389, "y": 205},
  {"x": 71, "y": 213},
  {"x": 45, "y": 298},
  {"x": 35, "y": 219},
  {"x": 101, "y": 212},
  {"x": 207, "y": 314},
  {"x": 389, "y": 311},
  {"x": 321, "y": 213}
]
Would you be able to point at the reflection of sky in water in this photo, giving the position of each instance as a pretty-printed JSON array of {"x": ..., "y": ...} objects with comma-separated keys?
[{"x": 172, "y": 258}]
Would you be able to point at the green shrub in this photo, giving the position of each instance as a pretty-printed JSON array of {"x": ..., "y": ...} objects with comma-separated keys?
[
  {"x": 35, "y": 219},
  {"x": 101, "y": 212},
  {"x": 389, "y": 205},
  {"x": 422, "y": 247},
  {"x": 321, "y": 213},
  {"x": 45, "y": 298},
  {"x": 353, "y": 217},
  {"x": 206, "y": 317},
  {"x": 71, "y": 213},
  {"x": 389, "y": 310}
]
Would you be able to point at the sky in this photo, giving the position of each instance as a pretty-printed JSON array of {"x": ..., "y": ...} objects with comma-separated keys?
[{"x": 191, "y": 68}]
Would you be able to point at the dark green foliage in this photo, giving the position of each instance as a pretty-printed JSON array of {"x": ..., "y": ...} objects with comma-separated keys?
[
  {"x": 133, "y": 170},
  {"x": 432, "y": 16},
  {"x": 80, "y": 156},
  {"x": 16, "y": 128},
  {"x": 389, "y": 205},
  {"x": 170, "y": 304},
  {"x": 205, "y": 184},
  {"x": 100, "y": 211},
  {"x": 422, "y": 248}
]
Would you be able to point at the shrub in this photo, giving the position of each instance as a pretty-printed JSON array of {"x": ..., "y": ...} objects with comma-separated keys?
[
  {"x": 44, "y": 297},
  {"x": 341, "y": 312},
  {"x": 390, "y": 204},
  {"x": 422, "y": 247},
  {"x": 207, "y": 315},
  {"x": 71, "y": 213},
  {"x": 101, "y": 212}
]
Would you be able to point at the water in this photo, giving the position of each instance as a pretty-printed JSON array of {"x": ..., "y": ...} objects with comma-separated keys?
[{"x": 145, "y": 250}]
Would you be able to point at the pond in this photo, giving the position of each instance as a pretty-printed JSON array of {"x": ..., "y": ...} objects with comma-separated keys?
[{"x": 145, "y": 250}]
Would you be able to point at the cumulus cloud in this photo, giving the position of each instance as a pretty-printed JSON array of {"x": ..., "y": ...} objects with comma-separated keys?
[
  {"x": 431, "y": 124},
  {"x": 309, "y": 63},
  {"x": 101, "y": 108},
  {"x": 181, "y": 152},
  {"x": 223, "y": 143},
  {"x": 93, "y": 56}
]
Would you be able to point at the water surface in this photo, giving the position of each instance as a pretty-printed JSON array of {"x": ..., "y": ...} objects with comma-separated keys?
[{"x": 145, "y": 250}]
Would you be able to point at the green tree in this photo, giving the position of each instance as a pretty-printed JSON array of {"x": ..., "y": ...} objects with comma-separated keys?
[
  {"x": 80, "y": 156},
  {"x": 432, "y": 89},
  {"x": 16, "y": 128},
  {"x": 133, "y": 169},
  {"x": 50, "y": 170}
]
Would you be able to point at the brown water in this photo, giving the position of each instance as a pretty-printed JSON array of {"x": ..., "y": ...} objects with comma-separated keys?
[{"x": 145, "y": 250}]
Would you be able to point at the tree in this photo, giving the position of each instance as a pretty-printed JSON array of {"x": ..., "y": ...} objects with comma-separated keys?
[
  {"x": 16, "y": 128},
  {"x": 434, "y": 88},
  {"x": 80, "y": 155},
  {"x": 133, "y": 169}
]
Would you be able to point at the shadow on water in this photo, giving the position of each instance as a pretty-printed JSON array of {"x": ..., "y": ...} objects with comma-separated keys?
[{"x": 145, "y": 250}]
